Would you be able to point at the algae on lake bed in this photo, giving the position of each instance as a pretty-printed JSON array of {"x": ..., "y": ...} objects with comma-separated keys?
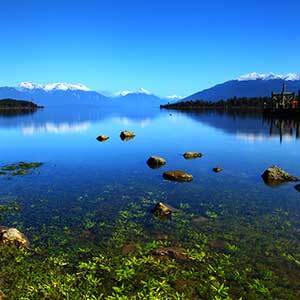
[
  {"x": 222, "y": 258},
  {"x": 21, "y": 168},
  {"x": 89, "y": 219}
]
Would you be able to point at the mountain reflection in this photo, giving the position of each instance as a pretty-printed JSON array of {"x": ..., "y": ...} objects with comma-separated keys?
[
  {"x": 248, "y": 125},
  {"x": 56, "y": 128}
]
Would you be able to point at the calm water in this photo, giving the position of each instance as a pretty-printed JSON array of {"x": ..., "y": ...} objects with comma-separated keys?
[
  {"x": 77, "y": 165},
  {"x": 84, "y": 182}
]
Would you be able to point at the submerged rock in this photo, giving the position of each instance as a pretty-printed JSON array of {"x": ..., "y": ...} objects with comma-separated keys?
[
  {"x": 297, "y": 187},
  {"x": 12, "y": 236},
  {"x": 155, "y": 162},
  {"x": 127, "y": 135},
  {"x": 217, "y": 245},
  {"x": 177, "y": 175},
  {"x": 275, "y": 175},
  {"x": 192, "y": 155},
  {"x": 129, "y": 249},
  {"x": 217, "y": 169},
  {"x": 163, "y": 210},
  {"x": 170, "y": 252},
  {"x": 102, "y": 138}
]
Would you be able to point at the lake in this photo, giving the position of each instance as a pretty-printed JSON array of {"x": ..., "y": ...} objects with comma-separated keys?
[{"x": 87, "y": 210}]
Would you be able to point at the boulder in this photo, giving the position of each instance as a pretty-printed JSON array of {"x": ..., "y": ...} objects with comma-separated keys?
[
  {"x": 192, "y": 155},
  {"x": 12, "y": 236},
  {"x": 177, "y": 175},
  {"x": 102, "y": 138},
  {"x": 155, "y": 162},
  {"x": 127, "y": 135},
  {"x": 163, "y": 210},
  {"x": 217, "y": 169},
  {"x": 170, "y": 253},
  {"x": 275, "y": 175}
]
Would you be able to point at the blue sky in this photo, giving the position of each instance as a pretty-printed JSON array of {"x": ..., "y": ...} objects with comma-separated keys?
[{"x": 167, "y": 47}]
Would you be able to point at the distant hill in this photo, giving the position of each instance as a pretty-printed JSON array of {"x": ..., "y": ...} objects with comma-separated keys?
[
  {"x": 141, "y": 98},
  {"x": 250, "y": 86}
]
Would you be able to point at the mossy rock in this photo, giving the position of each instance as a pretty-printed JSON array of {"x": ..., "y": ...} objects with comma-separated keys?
[
  {"x": 192, "y": 155},
  {"x": 102, "y": 138},
  {"x": 177, "y": 175},
  {"x": 155, "y": 162},
  {"x": 127, "y": 135}
]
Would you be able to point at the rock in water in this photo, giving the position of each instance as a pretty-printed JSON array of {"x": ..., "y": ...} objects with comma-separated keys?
[
  {"x": 102, "y": 138},
  {"x": 127, "y": 135},
  {"x": 155, "y": 162},
  {"x": 177, "y": 175},
  {"x": 170, "y": 252},
  {"x": 275, "y": 175},
  {"x": 163, "y": 210},
  {"x": 297, "y": 187},
  {"x": 12, "y": 236},
  {"x": 217, "y": 169},
  {"x": 192, "y": 155},
  {"x": 128, "y": 249}
]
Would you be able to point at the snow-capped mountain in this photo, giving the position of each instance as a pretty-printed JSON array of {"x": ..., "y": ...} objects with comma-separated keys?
[
  {"x": 249, "y": 85},
  {"x": 141, "y": 91},
  {"x": 53, "y": 94},
  {"x": 269, "y": 76},
  {"x": 141, "y": 98},
  {"x": 61, "y": 86},
  {"x": 59, "y": 94}
]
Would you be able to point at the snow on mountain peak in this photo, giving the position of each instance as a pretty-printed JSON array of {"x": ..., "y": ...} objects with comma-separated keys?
[
  {"x": 29, "y": 85},
  {"x": 269, "y": 76},
  {"x": 53, "y": 86},
  {"x": 128, "y": 92}
]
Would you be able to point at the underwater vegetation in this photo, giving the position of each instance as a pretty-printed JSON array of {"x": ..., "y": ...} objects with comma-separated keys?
[
  {"x": 21, "y": 168},
  {"x": 135, "y": 254}
]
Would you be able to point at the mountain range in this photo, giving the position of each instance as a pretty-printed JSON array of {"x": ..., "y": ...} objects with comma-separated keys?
[
  {"x": 249, "y": 85},
  {"x": 61, "y": 94}
]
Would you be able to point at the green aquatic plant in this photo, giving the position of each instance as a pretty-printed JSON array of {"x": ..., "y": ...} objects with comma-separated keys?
[
  {"x": 259, "y": 287},
  {"x": 67, "y": 261},
  {"x": 19, "y": 169},
  {"x": 212, "y": 214}
]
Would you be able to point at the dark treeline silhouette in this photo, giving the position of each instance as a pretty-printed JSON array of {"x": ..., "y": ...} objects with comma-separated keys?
[
  {"x": 243, "y": 103},
  {"x": 17, "y": 104}
]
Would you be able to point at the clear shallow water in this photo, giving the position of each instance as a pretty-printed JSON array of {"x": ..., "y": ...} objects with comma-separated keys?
[
  {"x": 76, "y": 163},
  {"x": 84, "y": 182}
]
